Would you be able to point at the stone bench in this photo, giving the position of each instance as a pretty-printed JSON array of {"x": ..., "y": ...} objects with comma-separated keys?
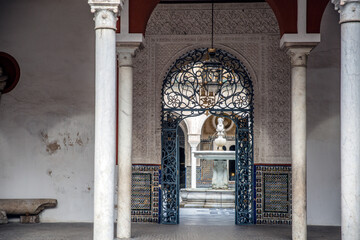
[{"x": 27, "y": 209}]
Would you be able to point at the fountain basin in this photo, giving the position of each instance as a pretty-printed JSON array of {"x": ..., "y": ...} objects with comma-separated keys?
[
  {"x": 214, "y": 155},
  {"x": 220, "y": 178},
  {"x": 207, "y": 198}
]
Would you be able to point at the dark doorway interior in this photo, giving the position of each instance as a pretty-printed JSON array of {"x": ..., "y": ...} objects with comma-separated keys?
[
  {"x": 182, "y": 168},
  {"x": 232, "y": 166},
  {"x": 182, "y": 158}
]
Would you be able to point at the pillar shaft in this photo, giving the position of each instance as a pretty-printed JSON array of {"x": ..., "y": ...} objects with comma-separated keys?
[
  {"x": 194, "y": 140},
  {"x": 105, "y": 129},
  {"x": 298, "y": 140},
  {"x": 298, "y": 149},
  {"x": 350, "y": 120},
  {"x": 105, "y": 118},
  {"x": 193, "y": 168},
  {"x": 125, "y": 144}
]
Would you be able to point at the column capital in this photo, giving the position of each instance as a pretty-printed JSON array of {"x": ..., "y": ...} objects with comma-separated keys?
[
  {"x": 106, "y": 12},
  {"x": 349, "y": 10},
  {"x": 339, "y": 3},
  {"x": 109, "y": 5},
  {"x": 126, "y": 51},
  {"x": 194, "y": 140},
  {"x": 298, "y": 54},
  {"x": 128, "y": 48},
  {"x": 125, "y": 55}
]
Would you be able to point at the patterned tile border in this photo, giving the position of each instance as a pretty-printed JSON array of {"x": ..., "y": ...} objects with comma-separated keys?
[
  {"x": 272, "y": 190},
  {"x": 273, "y": 194},
  {"x": 145, "y": 193}
]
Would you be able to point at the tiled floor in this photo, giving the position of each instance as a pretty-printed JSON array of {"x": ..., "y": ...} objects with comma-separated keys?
[{"x": 196, "y": 224}]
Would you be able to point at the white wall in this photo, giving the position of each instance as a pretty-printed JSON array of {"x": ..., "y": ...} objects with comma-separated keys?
[
  {"x": 323, "y": 124},
  {"x": 47, "y": 121}
]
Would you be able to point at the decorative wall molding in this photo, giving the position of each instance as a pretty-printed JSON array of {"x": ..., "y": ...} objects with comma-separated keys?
[
  {"x": 268, "y": 65},
  {"x": 195, "y": 19}
]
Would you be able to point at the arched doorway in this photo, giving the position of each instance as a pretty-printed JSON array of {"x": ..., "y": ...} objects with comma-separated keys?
[{"x": 184, "y": 94}]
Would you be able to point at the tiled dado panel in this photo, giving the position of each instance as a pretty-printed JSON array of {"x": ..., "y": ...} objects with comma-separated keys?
[
  {"x": 203, "y": 175},
  {"x": 198, "y": 177},
  {"x": 273, "y": 194},
  {"x": 145, "y": 193}
]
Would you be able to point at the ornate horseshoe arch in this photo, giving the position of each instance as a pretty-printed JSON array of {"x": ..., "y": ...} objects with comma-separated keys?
[{"x": 184, "y": 95}]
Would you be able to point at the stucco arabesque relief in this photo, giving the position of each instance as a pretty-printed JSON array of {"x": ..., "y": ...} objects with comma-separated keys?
[{"x": 250, "y": 32}]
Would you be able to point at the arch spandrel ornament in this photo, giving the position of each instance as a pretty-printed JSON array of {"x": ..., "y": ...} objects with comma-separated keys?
[{"x": 185, "y": 93}]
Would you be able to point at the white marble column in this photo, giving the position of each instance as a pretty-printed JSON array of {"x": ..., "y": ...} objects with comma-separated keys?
[
  {"x": 105, "y": 117},
  {"x": 350, "y": 118},
  {"x": 193, "y": 167},
  {"x": 194, "y": 140},
  {"x": 298, "y": 55},
  {"x": 125, "y": 55}
]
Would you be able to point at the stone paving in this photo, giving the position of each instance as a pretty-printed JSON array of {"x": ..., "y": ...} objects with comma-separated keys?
[{"x": 207, "y": 224}]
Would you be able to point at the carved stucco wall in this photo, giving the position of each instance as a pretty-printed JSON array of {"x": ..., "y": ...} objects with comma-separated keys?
[{"x": 248, "y": 31}]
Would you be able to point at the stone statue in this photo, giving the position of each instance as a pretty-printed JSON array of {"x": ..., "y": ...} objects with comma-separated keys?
[
  {"x": 220, "y": 174},
  {"x": 220, "y": 141},
  {"x": 220, "y": 127}
]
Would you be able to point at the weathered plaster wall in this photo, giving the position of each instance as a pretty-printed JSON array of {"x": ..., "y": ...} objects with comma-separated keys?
[
  {"x": 47, "y": 121},
  {"x": 323, "y": 124}
]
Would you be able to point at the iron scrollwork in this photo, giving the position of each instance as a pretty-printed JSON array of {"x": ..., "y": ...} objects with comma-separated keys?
[{"x": 185, "y": 95}]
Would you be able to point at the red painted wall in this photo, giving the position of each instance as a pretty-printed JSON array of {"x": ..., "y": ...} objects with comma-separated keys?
[
  {"x": 314, "y": 12},
  {"x": 139, "y": 14},
  {"x": 286, "y": 14}
]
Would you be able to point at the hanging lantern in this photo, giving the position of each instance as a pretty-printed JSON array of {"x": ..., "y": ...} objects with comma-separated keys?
[
  {"x": 212, "y": 73},
  {"x": 211, "y": 76}
]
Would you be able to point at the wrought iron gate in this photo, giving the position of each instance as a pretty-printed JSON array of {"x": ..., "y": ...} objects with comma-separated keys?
[{"x": 184, "y": 94}]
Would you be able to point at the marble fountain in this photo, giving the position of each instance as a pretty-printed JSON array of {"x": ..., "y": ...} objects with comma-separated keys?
[{"x": 219, "y": 195}]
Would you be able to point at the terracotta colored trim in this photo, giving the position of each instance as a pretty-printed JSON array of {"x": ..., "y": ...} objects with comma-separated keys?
[
  {"x": 314, "y": 13},
  {"x": 286, "y": 14},
  {"x": 11, "y": 69},
  {"x": 139, "y": 14}
]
